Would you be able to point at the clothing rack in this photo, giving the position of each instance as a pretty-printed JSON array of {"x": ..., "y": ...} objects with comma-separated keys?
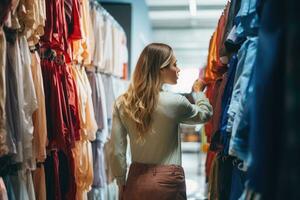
[{"x": 106, "y": 14}]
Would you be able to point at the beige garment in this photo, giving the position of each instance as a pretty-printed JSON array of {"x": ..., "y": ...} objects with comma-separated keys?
[
  {"x": 108, "y": 47},
  {"x": 98, "y": 25},
  {"x": 119, "y": 51},
  {"x": 84, "y": 174},
  {"x": 86, "y": 110},
  {"x": 3, "y": 146},
  {"x": 83, "y": 49},
  {"x": 32, "y": 16},
  {"x": 116, "y": 50},
  {"x": 3, "y": 191},
  {"x": 39, "y": 22},
  {"x": 29, "y": 104},
  {"x": 163, "y": 144},
  {"x": 40, "y": 17},
  {"x": 13, "y": 20},
  {"x": 26, "y": 15},
  {"x": 83, "y": 151},
  {"x": 39, "y": 116},
  {"x": 38, "y": 176}
]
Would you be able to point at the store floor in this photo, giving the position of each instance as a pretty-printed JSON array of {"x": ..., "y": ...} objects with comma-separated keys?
[{"x": 193, "y": 163}]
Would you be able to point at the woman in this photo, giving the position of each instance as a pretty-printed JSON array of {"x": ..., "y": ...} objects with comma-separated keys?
[{"x": 150, "y": 116}]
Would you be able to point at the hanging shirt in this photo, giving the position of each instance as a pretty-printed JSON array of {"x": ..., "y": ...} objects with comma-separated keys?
[
  {"x": 108, "y": 56},
  {"x": 98, "y": 23},
  {"x": 247, "y": 19},
  {"x": 14, "y": 108},
  {"x": 39, "y": 117},
  {"x": 162, "y": 146},
  {"x": 29, "y": 104},
  {"x": 246, "y": 60},
  {"x": 96, "y": 96},
  {"x": 35, "y": 16},
  {"x": 88, "y": 41},
  {"x": 83, "y": 150},
  {"x": 103, "y": 136},
  {"x": 56, "y": 36},
  {"x": 3, "y": 146},
  {"x": 209, "y": 74},
  {"x": 72, "y": 12},
  {"x": 87, "y": 116},
  {"x": 237, "y": 108},
  {"x": 83, "y": 49},
  {"x": 38, "y": 177}
]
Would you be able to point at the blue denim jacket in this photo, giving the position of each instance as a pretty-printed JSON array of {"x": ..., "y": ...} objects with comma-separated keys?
[
  {"x": 247, "y": 19},
  {"x": 237, "y": 115}
]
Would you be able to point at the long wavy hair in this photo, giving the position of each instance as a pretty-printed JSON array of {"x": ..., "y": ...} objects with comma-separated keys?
[{"x": 140, "y": 100}]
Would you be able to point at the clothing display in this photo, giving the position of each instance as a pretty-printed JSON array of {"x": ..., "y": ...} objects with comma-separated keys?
[
  {"x": 64, "y": 132},
  {"x": 228, "y": 91},
  {"x": 255, "y": 108},
  {"x": 57, "y": 90}
]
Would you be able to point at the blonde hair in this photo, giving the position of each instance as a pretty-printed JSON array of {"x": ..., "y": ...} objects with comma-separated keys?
[{"x": 141, "y": 98}]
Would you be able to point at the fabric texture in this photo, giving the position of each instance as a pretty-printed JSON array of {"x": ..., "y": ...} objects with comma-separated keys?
[{"x": 147, "y": 182}]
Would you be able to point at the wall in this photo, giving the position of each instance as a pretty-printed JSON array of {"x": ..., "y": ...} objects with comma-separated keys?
[{"x": 141, "y": 32}]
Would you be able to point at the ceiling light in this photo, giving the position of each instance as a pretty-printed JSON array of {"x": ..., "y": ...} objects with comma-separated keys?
[{"x": 193, "y": 7}]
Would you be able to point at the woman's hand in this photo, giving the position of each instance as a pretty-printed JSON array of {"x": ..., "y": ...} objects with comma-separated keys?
[{"x": 198, "y": 85}]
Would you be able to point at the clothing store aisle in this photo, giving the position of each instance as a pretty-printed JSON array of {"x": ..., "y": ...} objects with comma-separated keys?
[{"x": 193, "y": 162}]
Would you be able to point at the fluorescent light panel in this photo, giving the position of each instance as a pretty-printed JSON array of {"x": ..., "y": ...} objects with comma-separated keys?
[{"x": 193, "y": 7}]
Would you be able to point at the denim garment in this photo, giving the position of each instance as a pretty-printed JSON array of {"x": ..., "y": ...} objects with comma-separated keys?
[
  {"x": 239, "y": 133},
  {"x": 247, "y": 19},
  {"x": 226, "y": 102},
  {"x": 238, "y": 86},
  {"x": 266, "y": 114},
  {"x": 238, "y": 180}
]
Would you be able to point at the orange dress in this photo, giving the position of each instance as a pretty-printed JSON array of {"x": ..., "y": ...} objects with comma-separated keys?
[{"x": 82, "y": 152}]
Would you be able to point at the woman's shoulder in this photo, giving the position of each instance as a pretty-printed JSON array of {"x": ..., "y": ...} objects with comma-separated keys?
[{"x": 172, "y": 97}]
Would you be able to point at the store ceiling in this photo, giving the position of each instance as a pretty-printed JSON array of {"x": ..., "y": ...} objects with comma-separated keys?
[{"x": 189, "y": 35}]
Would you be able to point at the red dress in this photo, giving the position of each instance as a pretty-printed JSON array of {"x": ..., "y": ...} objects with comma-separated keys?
[{"x": 61, "y": 99}]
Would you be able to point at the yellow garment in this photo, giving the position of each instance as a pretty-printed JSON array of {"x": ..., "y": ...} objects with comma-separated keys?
[
  {"x": 39, "y": 116},
  {"x": 83, "y": 151},
  {"x": 83, "y": 49}
]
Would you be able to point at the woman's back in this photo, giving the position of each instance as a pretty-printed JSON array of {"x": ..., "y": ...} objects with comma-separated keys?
[
  {"x": 151, "y": 117},
  {"x": 162, "y": 144}
]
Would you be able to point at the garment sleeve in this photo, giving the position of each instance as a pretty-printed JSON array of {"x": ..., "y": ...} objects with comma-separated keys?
[
  {"x": 119, "y": 146},
  {"x": 195, "y": 113}
]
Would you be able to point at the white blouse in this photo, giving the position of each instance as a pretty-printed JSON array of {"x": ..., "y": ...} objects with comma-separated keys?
[{"x": 162, "y": 145}]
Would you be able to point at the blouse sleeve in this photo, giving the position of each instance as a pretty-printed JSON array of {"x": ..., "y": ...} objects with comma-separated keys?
[
  {"x": 195, "y": 113},
  {"x": 119, "y": 146}
]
